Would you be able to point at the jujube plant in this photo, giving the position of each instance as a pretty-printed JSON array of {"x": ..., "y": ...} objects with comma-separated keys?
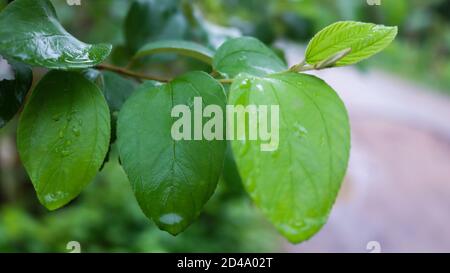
[{"x": 83, "y": 105}]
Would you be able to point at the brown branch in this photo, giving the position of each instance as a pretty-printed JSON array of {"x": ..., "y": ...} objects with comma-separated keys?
[
  {"x": 142, "y": 76},
  {"x": 130, "y": 73}
]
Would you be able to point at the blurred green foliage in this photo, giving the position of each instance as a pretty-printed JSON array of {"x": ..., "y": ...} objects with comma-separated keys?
[
  {"x": 421, "y": 53},
  {"x": 422, "y": 50}
]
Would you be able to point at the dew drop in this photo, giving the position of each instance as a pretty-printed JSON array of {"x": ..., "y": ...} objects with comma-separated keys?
[
  {"x": 242, "y": 59},
  {"x": 55, "y": 197},
  {"x": 259, "y": 87},
  {"x": 299, "y": 130},
  {"x": 245, "y": 84},
  {"x": 289, "y": 230},
  {"x": 170, "y": 219}
]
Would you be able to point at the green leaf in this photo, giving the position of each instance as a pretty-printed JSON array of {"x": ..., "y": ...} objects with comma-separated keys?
[
  {"x": 248, "y": 55},
  {"x": 152, "y": 20},
  {"x": 3, "y": 4},
  {"x": 364, "y": 40},
  {"x": 185, "y": 48},
  {"x": 63, "y": 136},
  {"x": 172, "y": 180},
  {"x": 296, "y": 184},
  {"x": 31, "y": 33},
  {"x": 231, "y": 175},
  {"x": 117, "y": 90},
  {"x": 121, "y": 55},
  {"x": 13, "y": 91}
]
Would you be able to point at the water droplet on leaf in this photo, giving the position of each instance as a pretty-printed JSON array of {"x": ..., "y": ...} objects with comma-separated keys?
[
  {"x": 259, "y": 87},
  {"x": 170, "y": 219},
  {"x": 54, "y": 197},
  {"x": 299, "y": 130},
  {"x": 245, "y": 84}
]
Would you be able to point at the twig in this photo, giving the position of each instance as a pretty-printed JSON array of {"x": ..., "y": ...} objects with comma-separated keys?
[
  {"x": 142, "y": 76},
  {"x": 130, "y": 73}
]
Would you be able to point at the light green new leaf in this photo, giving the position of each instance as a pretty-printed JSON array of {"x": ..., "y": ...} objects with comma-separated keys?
[
  {"x": 63, "y": 136},
  {"x": 185, "y": 48},
  {"x": 172, "y": 179},
  {"x": 13, "y": 91},
  {"x": 364, "y": 40},
  {"x": 246, "y": 54},
  {"x": 31, "y": 33},
  {"x": 297, "y": 182}
]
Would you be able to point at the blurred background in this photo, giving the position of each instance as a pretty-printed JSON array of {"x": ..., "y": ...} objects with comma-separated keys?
[{"x": 396, "y": 196}]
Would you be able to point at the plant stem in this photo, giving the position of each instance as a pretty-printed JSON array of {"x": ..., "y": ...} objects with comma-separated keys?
[
  {"x": 226, "y": 80},
  {"x": 327, "y": 63},
  {"x": 130, "y": 73},
  {"x": 141, "y": 76},
  {"x": 301, "y": 67}
]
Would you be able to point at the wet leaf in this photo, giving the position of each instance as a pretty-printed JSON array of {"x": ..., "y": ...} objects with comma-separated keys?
[
  {"x": 63, "y": 136},
  {"x": 31, "y": 33},
  {"x": 172, "y": 179},
  {"x": 13, "y": 90},
  {"x": 296, "y": 181},
  {"x": 185, "y": 48},
  {"x": 246, "y": 54}
]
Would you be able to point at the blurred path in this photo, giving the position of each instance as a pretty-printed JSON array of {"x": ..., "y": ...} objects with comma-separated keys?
[{"x": 397, "y": 190}]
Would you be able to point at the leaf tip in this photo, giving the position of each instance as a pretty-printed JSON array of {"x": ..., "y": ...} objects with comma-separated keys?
[
  {"x": 296, "y": 234},
  {"x": 173, "y": 223},
  {"x": 54, "y": 201},
  {"x": 101, "y": 51},
  {"x": 394, "y": 30}
]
